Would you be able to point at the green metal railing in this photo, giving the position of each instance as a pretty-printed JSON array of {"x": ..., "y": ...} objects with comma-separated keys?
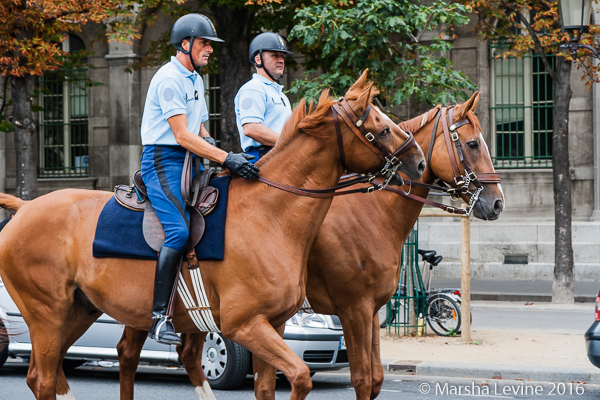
[
  {"x": 63, "y": 126},
  {"x": 522, "y": 110},
  {"x": 406, "y": 311}
]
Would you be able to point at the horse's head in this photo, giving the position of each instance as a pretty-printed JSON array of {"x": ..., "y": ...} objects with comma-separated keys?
[
  {"x": 371, "y": 141},
  {"x": 461, "y": 159}
]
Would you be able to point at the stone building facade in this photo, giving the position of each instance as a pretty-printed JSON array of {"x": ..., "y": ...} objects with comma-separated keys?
[{"x": 519, "y": 246}]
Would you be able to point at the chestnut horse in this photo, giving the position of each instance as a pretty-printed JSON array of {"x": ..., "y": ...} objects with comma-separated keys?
[
  {"x": 47, "y": 265},
  {"x": 353, "y": 264}
]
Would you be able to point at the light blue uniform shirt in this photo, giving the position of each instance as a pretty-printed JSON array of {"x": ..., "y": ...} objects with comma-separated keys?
[
  {"x": 260, "y": 101},
  {"x": 174, "y": 90}
]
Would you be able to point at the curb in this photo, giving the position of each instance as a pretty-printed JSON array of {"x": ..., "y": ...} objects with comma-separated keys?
[
  {"x": 496, "y": 371},
  {"x": 535, "y": 298}
]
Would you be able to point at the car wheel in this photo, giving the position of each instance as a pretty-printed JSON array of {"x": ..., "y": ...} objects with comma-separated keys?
[
  {"x": 225, "y": 363},
  {"x": 3, "y": 344}
]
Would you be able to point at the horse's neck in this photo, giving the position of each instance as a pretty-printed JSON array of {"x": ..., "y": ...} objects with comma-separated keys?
[
  {"x": 305, "y": 162},
  {"x": 402, "y": 213}
]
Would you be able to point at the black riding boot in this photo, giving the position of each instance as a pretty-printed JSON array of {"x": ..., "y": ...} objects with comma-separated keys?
[{"x": 162, "y": 329}]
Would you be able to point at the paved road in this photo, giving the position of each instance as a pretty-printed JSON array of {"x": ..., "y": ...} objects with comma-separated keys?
[
  {"x": 537, "y": 317},
  {"x": 533, "y": 319},
  {"x": 153, "y": 383}
]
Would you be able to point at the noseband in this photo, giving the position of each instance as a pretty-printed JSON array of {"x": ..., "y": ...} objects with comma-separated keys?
[{"x": 460, "y": 184}]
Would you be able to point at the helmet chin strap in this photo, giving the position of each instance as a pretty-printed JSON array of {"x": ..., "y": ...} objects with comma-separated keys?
[
  {"x": 262, "y": 65},
  {"x": 189, "y": 53}
]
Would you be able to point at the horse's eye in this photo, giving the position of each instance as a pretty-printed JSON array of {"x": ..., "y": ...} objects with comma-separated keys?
[
  {"x": 384, "y": 132},
  {"x": 473, "y": 145}
]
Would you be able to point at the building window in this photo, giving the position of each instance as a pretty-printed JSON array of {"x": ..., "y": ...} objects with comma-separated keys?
[
  {"x": 212, "y": 94},
  {"x": 522, "y": 111},
  {"x": 64, "y": 120}
]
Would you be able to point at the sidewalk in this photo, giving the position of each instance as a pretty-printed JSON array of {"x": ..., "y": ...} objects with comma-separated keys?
[
  {"x": 535, "y": 291},
  {"x": 496, "y": 353}
]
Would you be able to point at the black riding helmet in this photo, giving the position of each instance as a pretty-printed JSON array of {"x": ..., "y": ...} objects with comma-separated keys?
[
  {"x": 191, "y": 26},
  {"x": 267, "y": 41}
]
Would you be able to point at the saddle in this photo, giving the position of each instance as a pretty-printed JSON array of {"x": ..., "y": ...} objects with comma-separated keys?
[{"x": 197, "y": 195}]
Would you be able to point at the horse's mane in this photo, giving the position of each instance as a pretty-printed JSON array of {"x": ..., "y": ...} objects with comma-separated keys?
[
  {"x": 312, "y": 120},
  {"x": 413, "y": 125}
]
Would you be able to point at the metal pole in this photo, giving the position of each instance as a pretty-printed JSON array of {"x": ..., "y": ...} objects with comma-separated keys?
[{"x": 465, "y": 279}]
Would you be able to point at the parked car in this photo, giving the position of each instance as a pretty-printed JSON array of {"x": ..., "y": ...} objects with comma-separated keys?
[
  {"x": 592, "y": 337},
  {"x": 317, "y": 339}
]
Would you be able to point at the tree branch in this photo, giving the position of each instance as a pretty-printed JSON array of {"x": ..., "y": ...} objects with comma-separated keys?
[
  {"x": 64, "y": 14},
  {"x": 429, "y": 18},
  {"x": 147, "y": 12},
  {"x": 538, "y": 45}
]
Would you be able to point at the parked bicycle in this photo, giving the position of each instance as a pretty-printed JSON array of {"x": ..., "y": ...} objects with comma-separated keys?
[{"x": 443, "y": 313}]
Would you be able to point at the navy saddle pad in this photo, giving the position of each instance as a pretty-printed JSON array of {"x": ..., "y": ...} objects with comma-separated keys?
[{"x": 119, "y": 231}]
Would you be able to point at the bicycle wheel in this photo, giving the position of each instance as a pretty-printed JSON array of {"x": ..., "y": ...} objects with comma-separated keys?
[{"x": 443, "y": 315}]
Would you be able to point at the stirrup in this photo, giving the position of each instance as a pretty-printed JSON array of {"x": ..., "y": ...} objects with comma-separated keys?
[{"x": 162, "y": 331}]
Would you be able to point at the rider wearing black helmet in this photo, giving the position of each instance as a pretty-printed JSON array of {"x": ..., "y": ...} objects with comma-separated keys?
[
  {"x": 261, "y": 107},
  {"x": 172, "y": 123}
]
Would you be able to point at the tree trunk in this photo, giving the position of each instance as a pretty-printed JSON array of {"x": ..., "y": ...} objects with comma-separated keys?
[
  {"x": 233, "y": 26},
  {"x": 25, "y": 136},
  {"x": 562, "y": 288}
]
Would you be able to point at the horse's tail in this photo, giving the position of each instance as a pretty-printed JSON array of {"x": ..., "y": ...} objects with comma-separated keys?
[{"x": 10, "y": 202}]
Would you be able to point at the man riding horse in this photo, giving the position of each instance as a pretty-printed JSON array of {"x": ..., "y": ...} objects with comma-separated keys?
[
  {"x": 261, "y": 107},
  {"x": 172, "y": 123}
]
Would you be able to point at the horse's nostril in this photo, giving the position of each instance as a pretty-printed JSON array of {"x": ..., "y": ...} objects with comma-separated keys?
[
  {"x": 498, "y": 206},
  {"x": 421, "y": 166}
]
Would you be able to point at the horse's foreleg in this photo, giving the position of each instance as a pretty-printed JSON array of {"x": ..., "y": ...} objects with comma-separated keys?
[
  {"x": 376, "y": 366},
  {"x": 190, "y": 353},
  {"x": 265, "y": 376},
  {"x": 358, "y": 334},
  {"x": 129, "y": 349},
  {"x": 259, "y": 337}
]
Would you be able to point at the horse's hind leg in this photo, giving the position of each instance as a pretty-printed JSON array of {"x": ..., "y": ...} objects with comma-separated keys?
[
  {"x": 259, "y": 337},
  {"x": 50, "y": 341},
  {"x": 190, "y": 353},
  {"x": 129, "y": 349},
  {"x": 358, "y": 331}
]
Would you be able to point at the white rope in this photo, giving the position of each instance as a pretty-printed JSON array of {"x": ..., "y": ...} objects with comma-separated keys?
[
  {"x": 189, "y": 303},
  {"x": 306, "y": 305},
  {"x": 203, "y": 318},
  {"x": 208, "y": 317}
]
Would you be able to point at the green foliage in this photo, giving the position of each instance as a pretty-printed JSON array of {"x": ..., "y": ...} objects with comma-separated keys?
[
  {"x": 339, "y": 41},
  {"x": 452, "y": 332}
]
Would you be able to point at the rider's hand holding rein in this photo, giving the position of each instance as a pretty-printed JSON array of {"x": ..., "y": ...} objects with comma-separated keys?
[{"x": 199, "y": 145}]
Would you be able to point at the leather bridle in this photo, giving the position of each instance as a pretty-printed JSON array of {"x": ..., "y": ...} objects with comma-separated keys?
[
  {"x": 356, "y": 125},
  {"x": 461, "y": 182},
  {"x": 390, "y": 161}
]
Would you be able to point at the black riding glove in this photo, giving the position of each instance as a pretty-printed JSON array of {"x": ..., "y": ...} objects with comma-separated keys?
[
  {"x": 238, "y": 164},
  {"x": 210, "y": 140}
]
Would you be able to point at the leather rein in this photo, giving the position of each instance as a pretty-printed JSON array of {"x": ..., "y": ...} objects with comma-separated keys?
[
  {"x": 460, "y": 184},
  {"x": 390, "y": 161}
]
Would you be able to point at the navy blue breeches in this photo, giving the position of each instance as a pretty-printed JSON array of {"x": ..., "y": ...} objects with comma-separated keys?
[
  {"x": 258, "y": 152},
  {"x": 161, "y": 172}
]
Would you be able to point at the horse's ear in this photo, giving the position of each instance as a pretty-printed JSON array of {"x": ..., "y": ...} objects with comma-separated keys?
[
  {"x": 360, "y": 83},
  {"x": 461, "y": 111},
  {"x": 360, "y": 104}
]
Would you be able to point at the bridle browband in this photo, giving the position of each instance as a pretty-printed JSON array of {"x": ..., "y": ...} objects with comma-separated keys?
[
  {"x": 460, "y": 184},
  {"x": 390, "y": 161}
]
